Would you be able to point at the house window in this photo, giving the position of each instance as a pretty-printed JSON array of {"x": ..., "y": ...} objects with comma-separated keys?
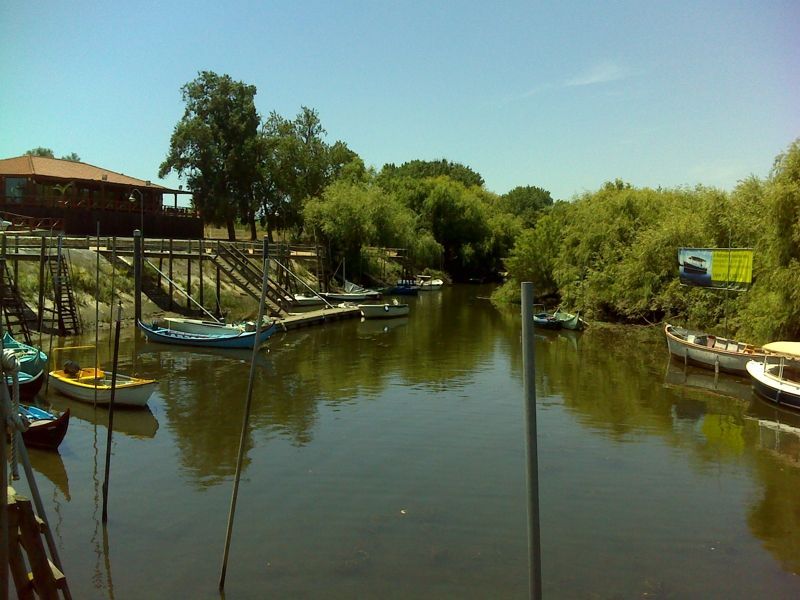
[{"x": 15, "y": 189}]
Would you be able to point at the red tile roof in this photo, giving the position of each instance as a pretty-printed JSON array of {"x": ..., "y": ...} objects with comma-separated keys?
[{"x": 28, "y": 166}]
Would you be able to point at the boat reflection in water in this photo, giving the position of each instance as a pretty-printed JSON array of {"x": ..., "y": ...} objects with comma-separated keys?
[
  {"x": 50, "y": 465},
  {"x": 138, "y": 423},
  {"x": 723, "y": 384},
  {"x": 372, "y": 327}
]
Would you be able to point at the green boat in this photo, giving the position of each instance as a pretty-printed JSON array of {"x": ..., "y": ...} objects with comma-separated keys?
[{"x": 568, "y": 320}]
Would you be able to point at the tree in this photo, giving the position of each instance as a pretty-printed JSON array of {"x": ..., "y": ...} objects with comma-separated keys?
[
  {"x": 72, "y": 156},
  {"x": 215, "y": 146},
  {"x": 40, "y": 151},
  {"x": 526, "y": 202},
  {"x": 298, "y": 164},
  {"x": 421, "y": 169}
]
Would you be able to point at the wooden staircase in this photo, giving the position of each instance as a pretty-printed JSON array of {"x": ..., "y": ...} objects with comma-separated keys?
[
  {"x": 33, "y": 573},
  {"x": 249, "y": 277},
  {"x": 15, "y": 311},
  {"x": 65, "y": 311}
]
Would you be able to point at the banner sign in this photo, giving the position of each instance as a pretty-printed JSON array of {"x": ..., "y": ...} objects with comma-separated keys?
[{"x": 721, "y": 268}]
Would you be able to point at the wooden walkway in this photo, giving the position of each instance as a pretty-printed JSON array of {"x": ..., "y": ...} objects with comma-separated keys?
[{"x": 318, "y": 317}]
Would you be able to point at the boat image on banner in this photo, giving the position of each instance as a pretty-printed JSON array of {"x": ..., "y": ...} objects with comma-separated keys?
[{"x": 724, "y": 268}]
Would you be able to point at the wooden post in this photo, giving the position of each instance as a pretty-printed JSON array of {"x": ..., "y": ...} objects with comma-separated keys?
[
  {"x": 219, "y": 307},
  {"x": 111, "y": 414},
  {"x": 161, "y": 262},
  {"x": 189, "y": 278},
  {"x": 246, "y": 420},
  {"x": 171, "y": 276},
  {"x": 202, "y": 255},
  {"x": 16, "y": 260},
  {"x": 42, "y": 255},
  {"x": 137, "y": 275}
]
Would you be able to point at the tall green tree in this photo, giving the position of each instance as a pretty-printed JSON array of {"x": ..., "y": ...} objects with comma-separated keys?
[
  {"x": 420, "y": 169},
  {"x": 215, "y": 146},
  {"x": 526, "y": 202},
  {"x": 298, "y": 164},
  {"x": 72, "y": 157}
]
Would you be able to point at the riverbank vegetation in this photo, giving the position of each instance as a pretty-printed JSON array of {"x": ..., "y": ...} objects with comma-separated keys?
[
  {"x": 610, "y": 253},
  {"x": 613, "y": 253}
]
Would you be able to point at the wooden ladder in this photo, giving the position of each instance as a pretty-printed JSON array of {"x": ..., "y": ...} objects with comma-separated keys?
[
  {"x": 33, "y": 572},
  {"x": 13, "y": 304},
  {"x": 66, "y": 311}
]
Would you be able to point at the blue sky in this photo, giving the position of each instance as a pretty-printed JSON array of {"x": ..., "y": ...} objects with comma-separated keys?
[{"x": 562, "y": 95}]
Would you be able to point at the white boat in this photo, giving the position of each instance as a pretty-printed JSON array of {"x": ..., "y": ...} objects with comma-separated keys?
[
  {"x": 427, "y": 284},
  {"x": 710, "y": 351},
  {"x": 303, "y": 300},
  {"x": 202, "y": 327},
  {"x": 81, "y": 384},
  {"x": 383, "y": 311},
  {"x": 777, "y": 377}
]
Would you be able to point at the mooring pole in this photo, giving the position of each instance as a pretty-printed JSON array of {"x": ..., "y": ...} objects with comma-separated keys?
[
  {"x": 4, "y": 527},
  {"x": 40, "y": 316},
  {"x": 529, "y": 386},
  {"x": 246, "y": 418},
  {"x": 111, "y": 414},
  {"x": 137, "y": 276},
  {"x": 96, "y": 309}
]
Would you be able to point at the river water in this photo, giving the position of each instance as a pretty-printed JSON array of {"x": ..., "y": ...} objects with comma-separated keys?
[{"x": 387, "y": 460}]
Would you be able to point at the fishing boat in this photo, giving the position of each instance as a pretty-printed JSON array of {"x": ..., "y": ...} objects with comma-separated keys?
[
  {"x": 352, "y": 293},
  {"x": 383, "y": 311},
  {"x": 776, "y": 377},
  {"x": 405, "y": 287},
  {"x": 45, "y": 430},
  {"x": 219, "y": 337},
  {"x": 29, "y": 385},
  {"x": 545, "y": 320},
  {"x": 568, "y": 320},
  {"x": 427, "y": 284},
  {"x": 203, "y": 327},
  {"x": 80, "y": 384},
  {"x": 711, "y": 351},
  {"x": 31, "y": 360},
  {"x": 305, "y": 300}
]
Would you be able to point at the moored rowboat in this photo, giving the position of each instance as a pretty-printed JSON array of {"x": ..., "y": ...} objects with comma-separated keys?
[
  {"x": 383, "y": 311},
  {"x": 221, "y": 337},
  {"x": 130, "y": 391},
  {"x": 45, "y": 430},
  {"x": 710, "y": 351}
]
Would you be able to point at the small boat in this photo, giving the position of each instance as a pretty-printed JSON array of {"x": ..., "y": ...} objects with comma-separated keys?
[
  {"x": 29, "y": 385},
  {"x": 219, "y": 337},
  {"x": 304, "y": 300},
  {"x": 31, "y": 360},
  {"x": 568, "y": 320},
  {"x": 545, "y": 320},
  {"x": 383, "y": 311},
  {"x": 710, "y": 351},
  {"x": 427, "y": 284},
  {"x": 776, "y": 377},
  {"x": 405, "y": 287},
  {"x": 202, "y": 327},
  {"x": 80, "y": 384},
  {"x": 351, "y": 293},
  {"x": 45, "y": 430}
]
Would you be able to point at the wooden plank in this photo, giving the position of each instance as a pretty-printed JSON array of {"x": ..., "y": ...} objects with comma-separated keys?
[
  {"x": 16, "y": 560},
  {"x": 41, "y": 574}
]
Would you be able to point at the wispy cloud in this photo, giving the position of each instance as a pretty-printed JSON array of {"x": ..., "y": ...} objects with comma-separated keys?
[
  {"x": 603, "y": 72},
  {"x": 600, "y": 73}
]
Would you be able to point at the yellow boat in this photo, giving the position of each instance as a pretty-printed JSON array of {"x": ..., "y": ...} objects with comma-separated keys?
[{"x": 81, "y": 384}]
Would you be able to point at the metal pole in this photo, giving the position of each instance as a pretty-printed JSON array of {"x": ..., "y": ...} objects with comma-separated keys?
[
  {"x": 246, "y": 419},
  {"x": 4, "y": 531},
  {"x": 529, "y": 386},
  {"x": 111, "y": 415}
]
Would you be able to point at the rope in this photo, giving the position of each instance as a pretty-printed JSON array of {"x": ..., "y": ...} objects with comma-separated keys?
[{"x": 10, "y": 365}]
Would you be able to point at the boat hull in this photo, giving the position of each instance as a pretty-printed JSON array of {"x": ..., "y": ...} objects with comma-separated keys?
[
  {"x": 546, "y": 321},
  {"x": 44, "y": 430},
  {"x": 568, "y": 320},
  {"x": 771, "y": 387},
  {"x": 29, "y": 385},
  {"x": 243, "y": 339},
  {"x": 383, "y": 311},
  {"x": 130, "y": 391},
  {"x": 714, "y": 357}
]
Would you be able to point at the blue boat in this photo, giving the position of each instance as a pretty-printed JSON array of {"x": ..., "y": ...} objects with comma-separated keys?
[
  {"x": 31, "y": 360},
  {"x": 224, "y": 336}
]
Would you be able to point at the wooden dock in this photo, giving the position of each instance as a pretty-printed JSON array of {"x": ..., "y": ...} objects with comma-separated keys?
[{"x": 318, "y": 317}]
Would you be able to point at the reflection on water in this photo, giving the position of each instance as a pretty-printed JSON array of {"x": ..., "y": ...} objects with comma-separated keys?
[{"x": 386, "y": 459}]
